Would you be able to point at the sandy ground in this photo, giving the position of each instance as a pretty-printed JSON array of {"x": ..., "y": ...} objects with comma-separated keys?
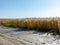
[{"x": 16, "y": 36}]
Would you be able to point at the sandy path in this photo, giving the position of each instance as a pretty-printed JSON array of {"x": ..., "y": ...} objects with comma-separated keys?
[
  {"x": 15, "y": 36},
  {"x": 7, "y": 40}
]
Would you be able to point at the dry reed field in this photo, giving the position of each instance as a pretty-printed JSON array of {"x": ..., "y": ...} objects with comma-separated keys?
[{"x": 41, "y": 24}]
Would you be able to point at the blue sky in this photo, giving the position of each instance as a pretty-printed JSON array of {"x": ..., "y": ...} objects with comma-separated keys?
[{"x": 29, "y": 8}]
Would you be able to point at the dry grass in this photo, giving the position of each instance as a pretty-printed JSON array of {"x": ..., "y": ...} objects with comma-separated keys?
[{"x": 44, "y": 24}]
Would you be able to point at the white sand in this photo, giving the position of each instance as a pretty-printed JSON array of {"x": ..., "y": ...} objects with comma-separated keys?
[{"x": 10, "y": 36}]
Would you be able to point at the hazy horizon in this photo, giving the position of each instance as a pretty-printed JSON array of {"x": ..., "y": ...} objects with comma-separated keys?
[{"x": 29, "y": 8}]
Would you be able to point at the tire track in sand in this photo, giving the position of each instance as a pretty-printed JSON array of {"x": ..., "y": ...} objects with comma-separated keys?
[{"x": 12, "y": 41}]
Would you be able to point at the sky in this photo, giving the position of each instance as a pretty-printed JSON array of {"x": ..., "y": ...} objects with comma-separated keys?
[{"x": 29, "y": 8}]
